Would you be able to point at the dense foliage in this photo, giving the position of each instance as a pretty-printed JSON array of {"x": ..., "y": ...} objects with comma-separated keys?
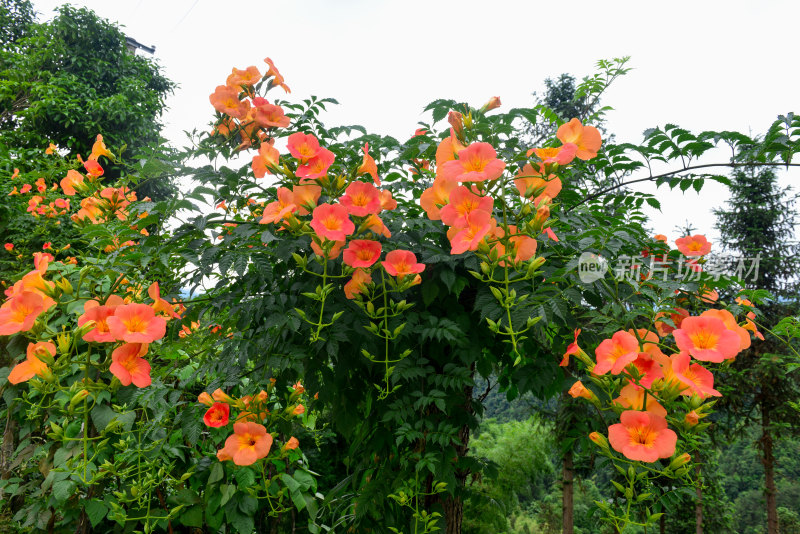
[{"x": 327, "y": 371}]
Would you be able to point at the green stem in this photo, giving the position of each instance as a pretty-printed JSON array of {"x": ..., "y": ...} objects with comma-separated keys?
[
  {"x": 86, "y": 367},
  {"x": 385, "y": 334},
  {"x": 316, "y": 335}
]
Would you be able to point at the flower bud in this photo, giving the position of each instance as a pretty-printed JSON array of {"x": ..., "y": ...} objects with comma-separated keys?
[
  {"x": 63, "y": 341},
  {"x": 205, "y": 398},
  {"x": 65, "y": 286},
  {"x": 543, "y": 210},
  {"x": 84, "y": 328},
  {"x": 493, "y": 103},
  {"x": 680, "y": 461},
  {"x": 221, "y": 396},
  {"x": 579, "y": 390},
  {"x": 48, "y": 376},
  {"x": 456, "y": 121},
  {"x": 692, "y": 418},
  {"x": 599, "y": 440},
  {"x": 53, "y": 291},
  {"x": 291, "y": 444},
  {"x": 58, "y": 432},
  {"x": 78, "y": 398},
  {"x": 535, "y": 264}
]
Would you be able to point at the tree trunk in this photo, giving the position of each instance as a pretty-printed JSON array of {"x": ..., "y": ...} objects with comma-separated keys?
[
  {"x": 8, "y": 447},
  {"x": 567, "y": 495},
  {"x": 453, "y": 515},
  {"x": 662, "y": 524},
  {"x": 698, "y": 505},
  {"x": 768, "y": 459},
  {"x": 454, "y": 505}
]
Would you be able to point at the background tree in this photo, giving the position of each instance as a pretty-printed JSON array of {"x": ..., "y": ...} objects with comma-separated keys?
[
  {"x": 759, "y": 222},
  {"x": 15, "y": 18},
  {"x": 67, "y": 80},
  {"x": 562, "y": 100}
]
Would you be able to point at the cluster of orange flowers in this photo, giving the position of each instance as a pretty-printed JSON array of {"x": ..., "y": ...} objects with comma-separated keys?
[
  {"x": 95, "y": 209},
  {"x": 135, "y": 325},
  {"x": 125, "y": 322},
  {"x": 74, "y": 181},
  {"x": 28, "y": 298},
  {"x": 356, "y": 215},
  {"x": 250, "y": 441},
  {"x": 468, "y": 209},
  {"x": 650, "y": 376},
  {"x": 116, "y": 320},
  {"x": 37, "y": 205},
  {"x": 244, "y": 112}
]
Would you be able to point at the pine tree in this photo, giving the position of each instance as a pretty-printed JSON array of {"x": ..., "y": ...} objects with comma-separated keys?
[{"x": 758, "y": 224}]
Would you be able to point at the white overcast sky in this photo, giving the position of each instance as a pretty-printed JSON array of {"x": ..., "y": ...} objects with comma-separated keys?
[{"x": 702, "y": 64}]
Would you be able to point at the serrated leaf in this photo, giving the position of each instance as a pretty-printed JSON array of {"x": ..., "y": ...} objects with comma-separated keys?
[
  {"x": 245, "y": 477},
  {"x": 248, "y": 505},
  {"x": 298, "y": 500},
  {"x": 290, "y": 482},
  {"x": 190, "y": 427},
  {"x": 97, "y": 510},
  {"x": 217, "y": 472},
  {"x": 430, "y": 291},
  {"x": 192, "y": 517},
  {"x": 228, "y": 491},
  {"x": 63, "y": 489}
]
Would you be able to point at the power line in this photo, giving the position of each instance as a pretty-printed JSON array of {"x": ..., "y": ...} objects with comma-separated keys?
[{"x": 185, "y": 15}]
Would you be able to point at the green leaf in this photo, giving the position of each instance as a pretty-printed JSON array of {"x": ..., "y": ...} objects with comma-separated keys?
[
  {"x": 245, "y": 477},
  {"x": 267, "y": 237},
  {"x": 97, "y": 510},
  {"x": 290, "y": 482},
  {"x": 448, "y": 277},
  {"x": 305, "y": 479},
  {"x": 228, "y": 491},
  {"x": 187, "y": 496},
  {"x": 429, "y": 292},
  {"x": 240, "y": 265},
  {"x": 61, "y": 456},
  {"x": 217, "y": 472},
  {"x": 239, "y": 522},
  {"x": 654, "y": 203},
  {"x": 192, "y": 517},
  {"x": 298, "y": 500},
  {"x": 63, "y": 489},
  {"x": 248, "y": 504},
  {"x": 102, "y": 414},
  {"x": 190, "y": 426}
]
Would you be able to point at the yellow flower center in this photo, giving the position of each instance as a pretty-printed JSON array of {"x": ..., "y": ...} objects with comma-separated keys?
[
  {"x": 135, "y": 324},
  {"x": 703, "y": 339},
  {"x": 332, "y": 223},
  {"x": 475, "y": 164},
  {"x": 642, "y": 435}
]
